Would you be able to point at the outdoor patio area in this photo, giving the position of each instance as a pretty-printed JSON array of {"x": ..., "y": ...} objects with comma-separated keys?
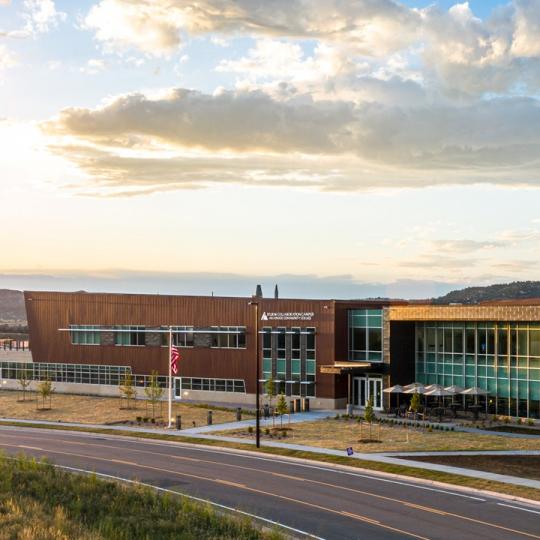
[{"x": 437, "y": 403}]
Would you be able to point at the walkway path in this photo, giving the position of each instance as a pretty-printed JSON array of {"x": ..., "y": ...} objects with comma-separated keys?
[{"x": 294, "y": 419}]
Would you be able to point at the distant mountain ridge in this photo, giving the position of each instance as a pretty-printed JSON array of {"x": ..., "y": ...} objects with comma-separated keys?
[
  {"x": 517, "y": 290},
  {"x": 12, "y": 308}
]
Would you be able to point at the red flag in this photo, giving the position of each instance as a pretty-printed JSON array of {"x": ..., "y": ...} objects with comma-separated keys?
[{"x": 175, "y": 358}]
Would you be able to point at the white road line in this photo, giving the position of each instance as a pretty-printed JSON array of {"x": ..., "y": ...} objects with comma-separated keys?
[
  {"x": 519, "y": 508},
  {"x": 180, "y": 494},
  {"x": 194, "y": 447}
]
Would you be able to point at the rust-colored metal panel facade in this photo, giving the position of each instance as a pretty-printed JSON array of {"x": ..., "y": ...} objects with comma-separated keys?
[{"x": 48, "y": 312}]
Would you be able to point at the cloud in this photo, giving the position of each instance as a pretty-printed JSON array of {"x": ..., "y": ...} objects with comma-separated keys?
[
  {"x": 41, "y": 16},
  {"x": 93, "y": 66},
  {"x": 7, "y": 58},
  {"x": 156, "y": 26},
  {"x": 342, "y": 145},
  {"x": 450, "y": 51},
  {"x": 465, "y": 245}
]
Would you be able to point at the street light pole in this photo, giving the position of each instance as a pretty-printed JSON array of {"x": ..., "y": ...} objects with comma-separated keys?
[{"x": 257, "y": 392}]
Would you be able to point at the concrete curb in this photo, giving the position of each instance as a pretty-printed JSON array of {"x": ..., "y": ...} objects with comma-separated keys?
[{"x": 311, "y": 462}]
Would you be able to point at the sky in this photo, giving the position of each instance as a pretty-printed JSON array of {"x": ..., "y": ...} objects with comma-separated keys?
[{"x": 338, "y": 147}]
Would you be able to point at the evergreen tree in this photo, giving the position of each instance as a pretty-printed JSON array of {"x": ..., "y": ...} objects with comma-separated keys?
[
  {"x": 369, "y": 414},
  {"x": 281, "y": 407}
]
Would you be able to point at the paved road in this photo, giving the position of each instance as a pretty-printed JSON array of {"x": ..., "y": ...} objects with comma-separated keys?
[{"x": 324, "y": 501}]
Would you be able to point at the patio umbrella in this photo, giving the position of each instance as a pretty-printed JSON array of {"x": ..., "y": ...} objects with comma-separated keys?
[
  {"x": 439, "y": 392},
  {"x": 396, "y": 389},
  {"x": 412, "y": 385},
  {"x": 455, "y": 389},
  {"x": 476, "y": 391},
  {"x": 430, "y": 387},
  {"x": 417, "y": 388}
]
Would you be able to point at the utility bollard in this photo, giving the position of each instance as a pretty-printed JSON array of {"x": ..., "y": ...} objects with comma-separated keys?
[
  {"x": 238, "y": 414},
  {"x": 209, "y": 418},
  {"x": 178, "y": 422}
]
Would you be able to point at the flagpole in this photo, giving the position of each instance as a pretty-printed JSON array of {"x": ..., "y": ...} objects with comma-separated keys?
[{"x": 170, "y": 377}]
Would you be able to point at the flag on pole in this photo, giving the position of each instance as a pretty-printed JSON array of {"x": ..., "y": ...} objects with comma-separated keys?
[{"x": 175, "y": 357}]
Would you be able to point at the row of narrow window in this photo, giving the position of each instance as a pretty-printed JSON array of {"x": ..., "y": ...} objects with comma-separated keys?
[{"x": 224, "y": 337}]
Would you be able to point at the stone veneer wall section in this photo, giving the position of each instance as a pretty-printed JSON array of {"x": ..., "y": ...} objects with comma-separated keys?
[
  {"x": 386, "y": 353},
  {"x": 386, "y": 335},
  {"x": 464, "y": 313},
  {"x": 107, "y": 338}
]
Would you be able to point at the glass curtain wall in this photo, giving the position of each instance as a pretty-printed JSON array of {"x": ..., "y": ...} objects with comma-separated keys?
[
  {"x": 289, "y": 358},
  {"x": 502, "y": 358},
  {"x": 366, "y": 335}
]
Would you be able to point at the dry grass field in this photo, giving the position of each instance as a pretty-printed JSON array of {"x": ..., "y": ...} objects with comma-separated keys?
[
  {"x": 340, "y": 434},
  {"x": 524, "y": 466},
  {"x": 100, "y": 410}
]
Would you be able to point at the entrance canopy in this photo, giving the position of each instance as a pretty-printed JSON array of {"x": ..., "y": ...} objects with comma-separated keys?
[{"x": 340, "y": 368}]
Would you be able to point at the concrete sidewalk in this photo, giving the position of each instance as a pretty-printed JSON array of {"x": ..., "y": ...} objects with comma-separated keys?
[
  {"x": 499, "y": 433},
  {"x": 294, "y": 419}
]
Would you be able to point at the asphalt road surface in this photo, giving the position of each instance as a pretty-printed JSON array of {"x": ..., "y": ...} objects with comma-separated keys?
[{"x": 323, "y": 501}]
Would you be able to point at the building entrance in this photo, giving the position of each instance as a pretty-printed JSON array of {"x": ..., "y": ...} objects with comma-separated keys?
[
  {"x": 177, "y": 387},
  {"x": 366, "y": 387}
]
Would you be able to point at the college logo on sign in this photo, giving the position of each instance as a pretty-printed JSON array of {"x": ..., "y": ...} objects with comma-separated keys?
[{"x": 298, "y": 316}]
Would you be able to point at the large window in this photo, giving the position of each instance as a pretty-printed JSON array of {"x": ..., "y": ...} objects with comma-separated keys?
[
  {"x": 289, "y": 357},
  {"x": 130, "y": 335},
  {"x": 214, "y": 385},
  {"x": 229, "y": 337},
  {"x": 85, "y": 334},
  {"x": 365, "y": 335},
  {"x": 182, "y": 336},
  {"x": 65, "y": 373},
  {"x": 500, "y": 357}
]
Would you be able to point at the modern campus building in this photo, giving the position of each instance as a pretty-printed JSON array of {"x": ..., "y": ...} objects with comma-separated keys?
[{"x": 331, "y": 351}]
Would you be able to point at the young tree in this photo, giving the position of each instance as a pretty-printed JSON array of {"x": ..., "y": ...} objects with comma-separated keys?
[
  {"x": 153, "y": 392},
  {"x": 127, "y": 390},
  {"x": 270, "y": 389},
  {"x": 281, "y": 407},
  {"x": 25, "y": 379},
  {"x": 46, "y": 390},
  {"x": 369, "y": 414},
  {"x": 415, "y": 404}
]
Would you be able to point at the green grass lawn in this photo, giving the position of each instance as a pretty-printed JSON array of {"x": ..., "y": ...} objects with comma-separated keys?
[{"x": 39, "y": 501}]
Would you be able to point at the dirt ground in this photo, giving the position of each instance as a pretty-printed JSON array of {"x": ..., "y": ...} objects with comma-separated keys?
[
  {"x": 101, "y": 410},
  {"x": 523, "y": 466},
  {"x": 340, "y": 434}
]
